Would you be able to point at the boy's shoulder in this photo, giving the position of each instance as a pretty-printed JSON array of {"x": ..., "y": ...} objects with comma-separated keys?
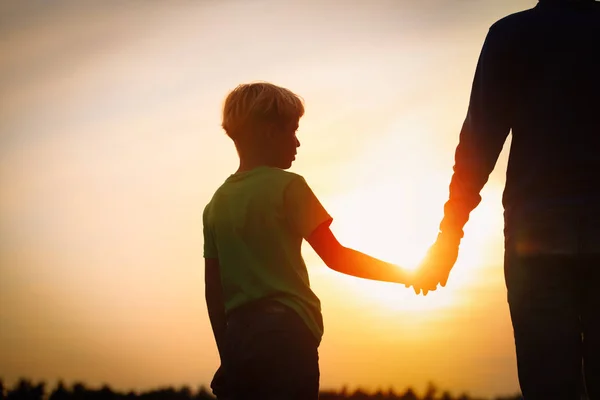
[
  {"x": 259, "y": 182},
  {"x": 264, "y": 176},
  {"x": 280, "y": 180},
  {"x": 274, "y": 171},
  {"x": 286, "y": 175}
]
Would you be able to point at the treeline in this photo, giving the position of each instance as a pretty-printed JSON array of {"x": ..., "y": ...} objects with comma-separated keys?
[{"x": 28, "y": 390}]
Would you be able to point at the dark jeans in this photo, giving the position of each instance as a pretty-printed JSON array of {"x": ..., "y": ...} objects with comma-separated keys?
[
  {"x": 555, "y": 310},
  {"x": 269, "y": 354}
]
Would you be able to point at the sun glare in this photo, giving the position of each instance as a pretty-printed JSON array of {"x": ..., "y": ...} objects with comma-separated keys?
[
  {"x": 391, "y": 209},
  {"x": 396, "y": 225},
  {"x": 379, "y": 221}
]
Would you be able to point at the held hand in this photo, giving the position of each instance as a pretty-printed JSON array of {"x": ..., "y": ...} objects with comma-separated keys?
[{"x": 438, "y": 263}]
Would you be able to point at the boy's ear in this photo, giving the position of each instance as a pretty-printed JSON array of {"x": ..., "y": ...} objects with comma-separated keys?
[{"x": 270, "y": 130}]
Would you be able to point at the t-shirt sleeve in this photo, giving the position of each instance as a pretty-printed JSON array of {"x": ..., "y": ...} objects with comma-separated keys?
[
  {"x": 210, "y": 246},
  {"x": 304, "y": 211}
]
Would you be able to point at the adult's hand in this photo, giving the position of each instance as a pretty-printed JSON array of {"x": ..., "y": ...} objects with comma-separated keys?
[{"x": 438, "y": 263}]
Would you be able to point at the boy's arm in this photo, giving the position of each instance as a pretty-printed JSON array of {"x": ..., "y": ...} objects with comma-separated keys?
[
  {"x": 311, "y": 221},
  {"x": 352, "y": 262},
  {"x": 214, "y": 301}
]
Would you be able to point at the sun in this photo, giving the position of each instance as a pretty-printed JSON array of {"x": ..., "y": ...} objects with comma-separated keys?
[
  {"x": 391, "y": 209},
  {"x": 396, "y": 225},
  {"x": 386, "y": 221}
]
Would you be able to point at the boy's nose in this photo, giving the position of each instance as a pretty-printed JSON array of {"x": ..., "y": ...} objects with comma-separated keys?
[{"x": 297, "y": 143}]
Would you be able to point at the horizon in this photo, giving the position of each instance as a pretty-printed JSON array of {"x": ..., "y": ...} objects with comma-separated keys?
[{"x": 40, "y": 390}]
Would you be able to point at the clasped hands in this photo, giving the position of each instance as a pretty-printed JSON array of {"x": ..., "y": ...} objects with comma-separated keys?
[{"x": 436, "y": 266}]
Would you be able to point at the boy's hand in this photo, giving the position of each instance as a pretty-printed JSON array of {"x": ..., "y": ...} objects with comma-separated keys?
[
  {"x": 425, "y": 280},
  {"x": 438, "y": 263}
]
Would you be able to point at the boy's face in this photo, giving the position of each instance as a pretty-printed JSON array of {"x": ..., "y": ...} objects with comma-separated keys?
[{"x": 283, "y": 144}]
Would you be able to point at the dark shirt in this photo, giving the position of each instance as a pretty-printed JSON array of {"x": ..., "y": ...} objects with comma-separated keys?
[{"x": 538, "y": 75}]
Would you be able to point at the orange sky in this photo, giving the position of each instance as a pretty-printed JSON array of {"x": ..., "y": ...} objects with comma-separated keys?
[{"x": 110, "y": 146}]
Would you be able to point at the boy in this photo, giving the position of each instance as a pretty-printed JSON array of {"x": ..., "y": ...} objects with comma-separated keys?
[{"x": 266, "y": 320}]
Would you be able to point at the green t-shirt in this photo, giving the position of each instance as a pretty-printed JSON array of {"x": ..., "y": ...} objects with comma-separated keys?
[{"x": 255, "y": 224}]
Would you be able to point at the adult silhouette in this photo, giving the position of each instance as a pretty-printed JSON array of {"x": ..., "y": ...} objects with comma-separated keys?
[{"x": 538, "y": 75}]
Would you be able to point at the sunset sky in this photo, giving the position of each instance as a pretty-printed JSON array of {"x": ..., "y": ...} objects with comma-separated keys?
[{"x": 111, "y": 145}]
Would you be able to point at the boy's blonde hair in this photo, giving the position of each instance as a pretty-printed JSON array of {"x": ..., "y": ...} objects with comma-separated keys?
[{"x": 251, "y": 104}]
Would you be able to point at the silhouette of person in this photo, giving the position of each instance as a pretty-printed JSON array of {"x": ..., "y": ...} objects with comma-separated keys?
[
  {"x": 538, "y": 75},
  {"x": 266, "y": 319}
]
